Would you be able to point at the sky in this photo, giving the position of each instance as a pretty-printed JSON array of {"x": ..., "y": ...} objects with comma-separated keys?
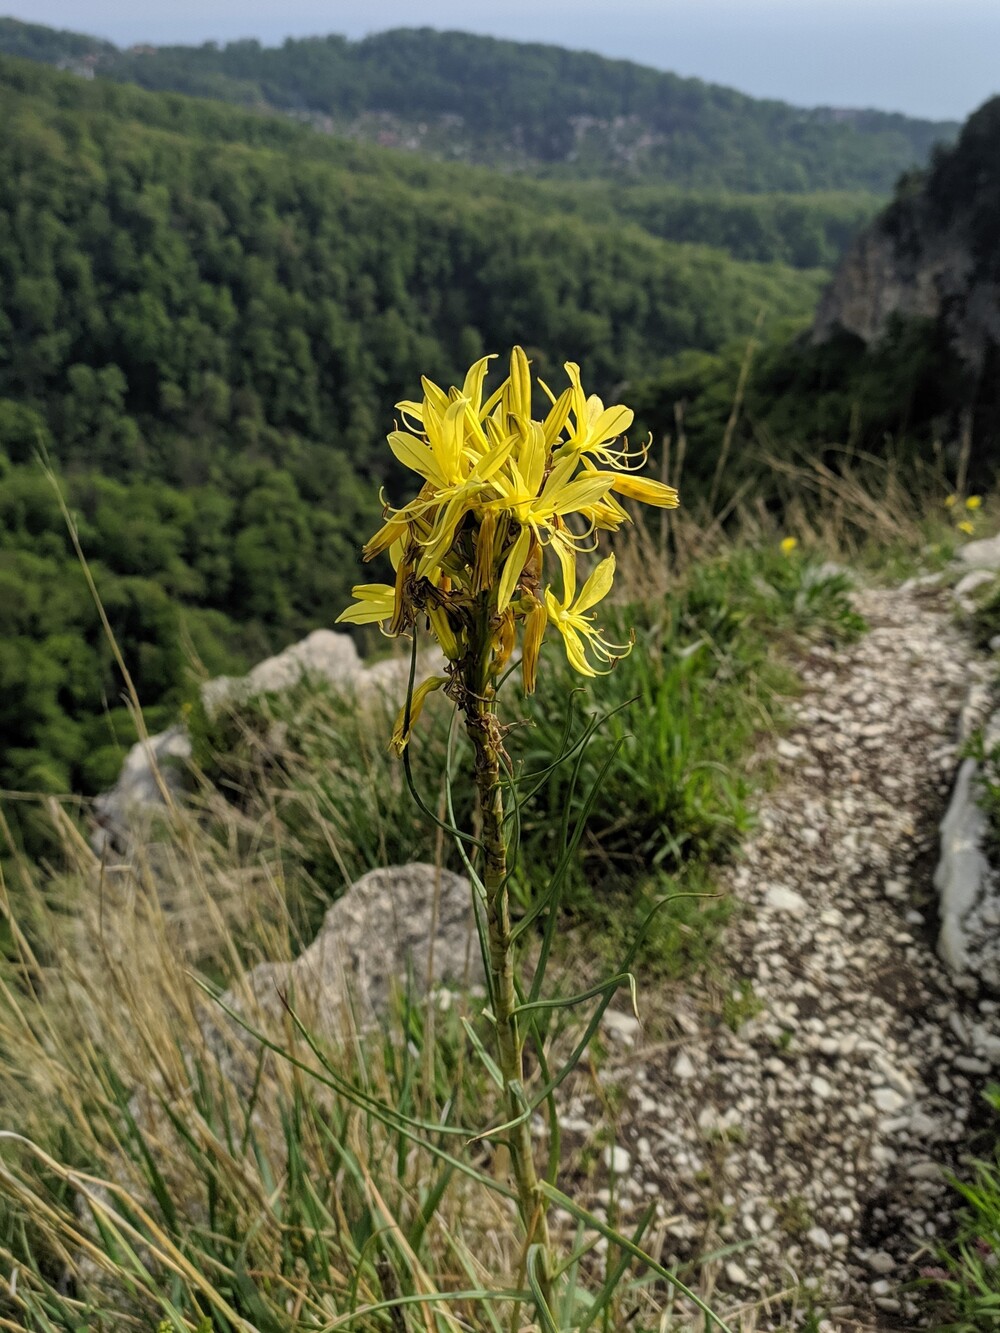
[{"x": 934, "y": 58}]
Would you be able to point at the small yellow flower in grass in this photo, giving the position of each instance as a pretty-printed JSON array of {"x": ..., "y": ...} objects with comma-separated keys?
[
  {"x": 950, "y": 501},
  {"x": 974, "y": 502},
  {"x": 788, "y": 545},
  {"x": 966, "y": 527}
]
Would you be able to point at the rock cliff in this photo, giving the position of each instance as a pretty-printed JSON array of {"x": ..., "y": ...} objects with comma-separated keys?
[{"x": 932, "y": 253}]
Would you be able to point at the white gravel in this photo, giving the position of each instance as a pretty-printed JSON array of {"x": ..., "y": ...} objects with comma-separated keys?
[{"x": 819, "y": 1131}]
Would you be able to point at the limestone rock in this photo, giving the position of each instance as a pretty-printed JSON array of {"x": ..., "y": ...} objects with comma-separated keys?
[
  {"x": 383, "y": 930},
  {"x": 124, "y": 812},
  {"x": 982, "y": 554},
  {"x": 149, "y": 768},
  {"x": 323, "y": 655}
]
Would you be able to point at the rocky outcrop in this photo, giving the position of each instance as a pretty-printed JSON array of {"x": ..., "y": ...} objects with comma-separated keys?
[
  {"x": 878, "y": 279},
  {"x": 409, "y": 925},
  {"x": 154, "y": 769},
  {"x": 932, "y": 254}
]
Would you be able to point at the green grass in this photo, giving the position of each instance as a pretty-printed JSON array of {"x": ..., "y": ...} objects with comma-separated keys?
[
  {"x": 256, "y": 1191},
  {"x": 663, "y": 781},
  {"x": 966, "y": 1279}
]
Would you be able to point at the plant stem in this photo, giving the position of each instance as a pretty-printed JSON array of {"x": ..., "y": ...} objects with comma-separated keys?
[{"x": 482, "y": 726}]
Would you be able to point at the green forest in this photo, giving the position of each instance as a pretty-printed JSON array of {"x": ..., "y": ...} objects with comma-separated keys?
[
  {"x": 207, "y": 312},
  {"x": 204, "y": 335},
  {"x": 532, "y": 107}
]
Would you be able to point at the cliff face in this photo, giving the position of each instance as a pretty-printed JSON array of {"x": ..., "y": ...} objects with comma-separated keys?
[{"x": 933, "y": 254}]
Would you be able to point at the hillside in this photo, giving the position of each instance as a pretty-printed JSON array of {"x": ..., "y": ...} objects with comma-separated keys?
[
  {"x": 904, "y": 352},
  {"x": 932, "y": 254},
  {"x": 207, "y": 316},
  {"x": 527, "y": 107}
]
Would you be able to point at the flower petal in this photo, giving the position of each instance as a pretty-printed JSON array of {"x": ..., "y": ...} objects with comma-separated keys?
[
  {"x": 597, "y": 586},
  {"x": 513, "y": 569},
  {"x": 646, "y": 490}
]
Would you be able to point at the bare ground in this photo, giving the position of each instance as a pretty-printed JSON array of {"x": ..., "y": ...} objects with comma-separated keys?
[{"x": 815, "y": 1136}]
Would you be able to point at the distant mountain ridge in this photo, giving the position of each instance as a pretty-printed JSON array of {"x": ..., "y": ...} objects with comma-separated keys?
[{"x": 528, "y": 107}]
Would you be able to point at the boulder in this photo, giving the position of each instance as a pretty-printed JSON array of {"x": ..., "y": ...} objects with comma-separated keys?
[
  {"x": 407, "y": 925},
  {"x": 151, "y": 768},
  {"x": 323, "y": 655},
  {"x": 968, "y": 886},
  {"x": 124, "y": 813},
  {"x": 982, "y": 554}
]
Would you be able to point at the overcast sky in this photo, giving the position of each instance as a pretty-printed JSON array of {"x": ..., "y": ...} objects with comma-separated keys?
[{"x": 934, "y": 58}]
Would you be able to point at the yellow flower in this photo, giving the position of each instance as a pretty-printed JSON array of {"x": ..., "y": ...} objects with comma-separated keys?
[
  {"x": 950, "y": 501},
  {"x": 974, "y": 502},
  {"x": 788, "y": 545},
  {"x": 966, "y": 527},
  {"x": 500, "y": 493},
  {"x": 577, "y": 628}
]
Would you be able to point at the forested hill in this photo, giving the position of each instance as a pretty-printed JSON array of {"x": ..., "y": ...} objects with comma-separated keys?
[
  {"x": 528, "y": 107},
  {"x": 205, "y": 318}
]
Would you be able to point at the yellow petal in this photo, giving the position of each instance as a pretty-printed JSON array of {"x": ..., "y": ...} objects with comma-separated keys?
[
  {"x": 434, "y": 395},
  {"x": 611, "y": 422},
  {"x": 393, "y": 530},
  {"x": 415, "y": 455},
  {"x": 575, "y": 652},
  {"x": 482, "y": 572},
  {"x": 583, "y": 490},
  {"x": 519, "y": 396},
  {"x": 473, "y": 386},
  {"x": 534, "y": 633},
  {"x": 442, "y": 630},
  {"x": 647, "y": 490},
  {"x": 567, "y": 561},
  {"x": 597, "y": 586},
  {"x": 374, "y": 602},
  {"x": 556, "y": 419},
  {"x": 513, "y": 568}
]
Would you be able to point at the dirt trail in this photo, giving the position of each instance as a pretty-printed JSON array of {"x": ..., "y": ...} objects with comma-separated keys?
[{"x": 817, "y": 1131}]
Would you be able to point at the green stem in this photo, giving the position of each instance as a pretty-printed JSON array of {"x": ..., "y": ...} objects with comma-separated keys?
[{"x": 483, "y": 729}]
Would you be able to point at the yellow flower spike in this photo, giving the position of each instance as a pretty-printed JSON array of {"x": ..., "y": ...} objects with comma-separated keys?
[
  {"x": 974, "y": 502},
  {"x": 950, "y": 501},
  {"x": 966, "y": 527},
  {"x": 788, "y": 545},
  {"x": 498, "y": 489},
  {"x": 403, "y": 728}
]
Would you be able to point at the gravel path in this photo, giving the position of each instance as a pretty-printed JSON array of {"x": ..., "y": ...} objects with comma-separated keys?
[{"x": 816, "y": 1132}]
